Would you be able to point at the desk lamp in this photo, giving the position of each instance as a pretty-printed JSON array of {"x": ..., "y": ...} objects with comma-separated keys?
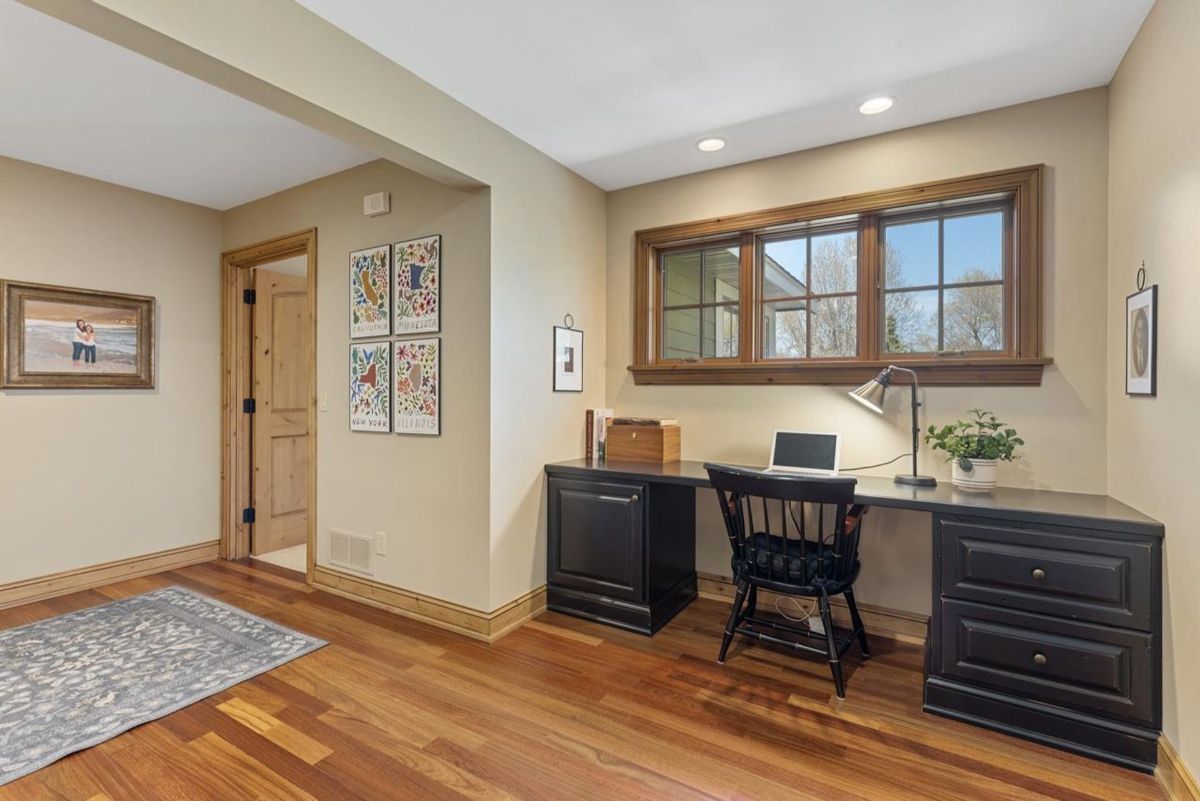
[{"x": 871, "y": 395}]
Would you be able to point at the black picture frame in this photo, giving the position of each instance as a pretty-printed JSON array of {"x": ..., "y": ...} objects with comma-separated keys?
[
  {"x": 1141, "y": 330},
  {"x": 559, "y": 381},
  {"x": 388, "y": 292},
  {"x": 388, "y": 348}
]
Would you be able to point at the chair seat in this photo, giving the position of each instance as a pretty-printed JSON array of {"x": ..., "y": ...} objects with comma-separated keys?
[{"x": 819, "y": 571}]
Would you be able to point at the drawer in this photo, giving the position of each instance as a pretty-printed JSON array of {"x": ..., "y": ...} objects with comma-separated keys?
[
  {"x": 1094, "y": 669},
  {"x": 1062, "y": 572}
]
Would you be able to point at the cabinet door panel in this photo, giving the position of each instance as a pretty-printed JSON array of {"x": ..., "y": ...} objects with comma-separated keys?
[{"x": 597, "y": 538}]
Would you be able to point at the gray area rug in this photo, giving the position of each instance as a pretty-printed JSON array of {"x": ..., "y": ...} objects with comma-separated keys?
[{"x": 76, "y": 680}]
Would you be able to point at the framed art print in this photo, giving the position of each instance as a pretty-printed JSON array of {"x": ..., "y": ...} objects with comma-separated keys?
[
  {"x": 1141, "y": 342},
  {"x": 370, "y": 292},
  {"x": 568, "y": 359},
  {"x": 62, "y": 338},
  {"x": 416, "y": 385},
  {"x": 371, "y": 387},
  {"x": 417, "y": 285}
]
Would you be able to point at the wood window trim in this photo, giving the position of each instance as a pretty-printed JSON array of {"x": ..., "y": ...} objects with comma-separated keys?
[{"x": 1021, "y": 366}]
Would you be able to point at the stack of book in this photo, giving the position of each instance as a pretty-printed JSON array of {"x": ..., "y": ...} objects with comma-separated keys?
[{"x": 595, "y": 432}]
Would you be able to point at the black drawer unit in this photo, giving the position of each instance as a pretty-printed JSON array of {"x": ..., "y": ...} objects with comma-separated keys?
[
  {"x": 615, "y": 557},
  {"x": 1051, "y": 632}
]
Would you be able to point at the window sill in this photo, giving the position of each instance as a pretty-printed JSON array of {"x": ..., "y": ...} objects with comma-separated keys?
[{"x": 943, "y": 372}]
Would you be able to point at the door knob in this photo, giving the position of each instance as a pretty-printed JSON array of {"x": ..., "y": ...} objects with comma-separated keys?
[
  {"x": 1039, "y": 659},
  {"x": 633, "y": 499},
  {"x": 1038, "y": 573}
]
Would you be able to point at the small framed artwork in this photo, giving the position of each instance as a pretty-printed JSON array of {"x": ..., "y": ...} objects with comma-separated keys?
[
  {"x": 1141, "y": 342},
  {"x": 418, "y": 267},
  {"x": 568, "y": 359},
  {"x": 417, "y": 382},
  {"x": 371, "y": 292},
  {"x": 371, "y": 387},
  {"x": 62, "y": 338}
]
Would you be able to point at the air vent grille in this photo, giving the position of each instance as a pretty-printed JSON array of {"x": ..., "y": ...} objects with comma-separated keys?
[{"x": 350, "y": 550}]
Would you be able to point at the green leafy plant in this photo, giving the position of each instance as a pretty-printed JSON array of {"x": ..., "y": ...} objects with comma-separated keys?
[{"x": 983, "y": 437}]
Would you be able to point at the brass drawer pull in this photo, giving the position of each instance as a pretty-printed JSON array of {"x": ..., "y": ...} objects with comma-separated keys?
[
  {"x": 1039, "y": 659},
  {"x": 1038, "y": 574}
]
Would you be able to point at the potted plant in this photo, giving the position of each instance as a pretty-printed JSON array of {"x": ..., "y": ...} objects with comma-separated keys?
[{"x": 974, "y": 447}]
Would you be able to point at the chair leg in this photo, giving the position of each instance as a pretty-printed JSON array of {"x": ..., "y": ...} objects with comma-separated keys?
[
  {"x": 734, "y": 618},
  {"x": 752, "y": 603},
  {"x": 858, "y": 624},
  {"x": 835, "y": 662}
]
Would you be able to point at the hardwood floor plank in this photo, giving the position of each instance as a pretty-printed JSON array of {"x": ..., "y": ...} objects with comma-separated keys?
[{"x": 559, "y": 709}]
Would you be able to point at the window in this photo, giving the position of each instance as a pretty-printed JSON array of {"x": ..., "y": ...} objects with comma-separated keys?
[{"x": 943, "y": 277}]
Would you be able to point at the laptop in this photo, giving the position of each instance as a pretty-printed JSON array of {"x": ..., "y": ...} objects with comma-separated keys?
[{"x": 805, "y": 453}]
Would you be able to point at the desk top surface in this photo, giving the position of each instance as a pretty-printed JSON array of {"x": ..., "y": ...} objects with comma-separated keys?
[{"x": 1031, "y": 505}]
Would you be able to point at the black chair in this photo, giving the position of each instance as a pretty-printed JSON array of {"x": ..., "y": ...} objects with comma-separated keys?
[{"x": 791, "y": 560}]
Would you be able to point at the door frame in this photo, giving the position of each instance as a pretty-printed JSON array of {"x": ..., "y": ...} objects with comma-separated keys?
[{"x": 236, "y": 344}]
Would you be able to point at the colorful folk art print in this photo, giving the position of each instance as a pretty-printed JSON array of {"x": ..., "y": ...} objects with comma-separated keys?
[
  {"x": 418, "y": 285},
  {"x": 417, "y": 398},
  {"x": 370, "y": 292},
  {"x": 370, "y": 387}
]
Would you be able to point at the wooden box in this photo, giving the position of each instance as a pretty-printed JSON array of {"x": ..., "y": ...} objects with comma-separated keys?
[{"x": 642, "y": 444}]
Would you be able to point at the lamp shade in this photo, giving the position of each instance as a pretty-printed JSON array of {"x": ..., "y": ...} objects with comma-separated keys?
[{"x": 871, "y": 393}]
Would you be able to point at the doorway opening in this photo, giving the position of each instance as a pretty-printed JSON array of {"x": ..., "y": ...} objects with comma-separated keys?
[{"x": 269, "y": 402}]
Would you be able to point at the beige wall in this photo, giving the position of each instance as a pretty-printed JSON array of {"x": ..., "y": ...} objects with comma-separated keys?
[
  {"x": 429, "y": 494},
  {"x": 1063, "y": 420},
  {"x": 1154, "y": 215},
  {"x": 96, "y": 476}
]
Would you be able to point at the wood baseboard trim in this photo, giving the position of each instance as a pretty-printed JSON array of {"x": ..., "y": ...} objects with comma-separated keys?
[
  {"x": 485, "y": 626},
  {"x": 879, "y": 621},
  {"x": 85, "y": 578},
  {"x": 1174, "y": 775}
]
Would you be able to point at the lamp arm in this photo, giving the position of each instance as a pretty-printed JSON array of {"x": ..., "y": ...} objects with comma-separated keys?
[{"x": 916, "y": 404}]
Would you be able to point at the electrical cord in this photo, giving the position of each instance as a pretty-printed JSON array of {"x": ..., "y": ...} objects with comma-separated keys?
[
  {"x": 779, "y": 608},
  {"x": 869, "y": 466}
]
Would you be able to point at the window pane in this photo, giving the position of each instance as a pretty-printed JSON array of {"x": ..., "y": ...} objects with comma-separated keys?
[
  {"x": 834, "y": 324},
  {"x": 973, "y": 248},
  {"x": 911, "y": 322},
  {"x": 911, "y": 254},
  {"x": 681, "y": 334},
  {"x": 834, "y": 263},
  {"x": 722, "y": 274},
  {"x": 785, "y": 326},
  {"x": 681, "y": 278},
  {"x": 720, "y": 331},
  {"x": 785, "y": 268},
  {"x": 973, "y": 318}
]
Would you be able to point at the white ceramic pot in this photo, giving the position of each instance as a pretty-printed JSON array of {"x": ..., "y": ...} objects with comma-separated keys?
[{"x": 980, "y": 478}]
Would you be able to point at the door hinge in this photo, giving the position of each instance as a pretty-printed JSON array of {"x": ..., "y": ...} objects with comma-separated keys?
[
  {"x": 249, "y": 406},
  {"x": 249, "y": 297},
  {"x": 248, "y": 514}
]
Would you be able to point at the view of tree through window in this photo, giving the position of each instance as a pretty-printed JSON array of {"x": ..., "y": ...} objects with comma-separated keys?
[
  {"x": 944, "y": 283},
  {"x": 810, "y": 296}
]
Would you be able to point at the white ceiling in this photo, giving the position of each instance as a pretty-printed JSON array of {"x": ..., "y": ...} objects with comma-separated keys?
[
  {"x": 75, "y": 102},
  {"x": 620, "y": 90}
]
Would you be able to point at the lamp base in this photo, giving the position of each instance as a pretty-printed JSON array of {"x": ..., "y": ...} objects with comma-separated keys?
[{"x": 916, "y": 481}]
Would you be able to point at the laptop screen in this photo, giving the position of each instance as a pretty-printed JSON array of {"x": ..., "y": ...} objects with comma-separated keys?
[{"x": 804, "y": 451}]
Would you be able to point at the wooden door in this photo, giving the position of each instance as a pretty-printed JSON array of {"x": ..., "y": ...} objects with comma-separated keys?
[{"x": 280, "y": 420}]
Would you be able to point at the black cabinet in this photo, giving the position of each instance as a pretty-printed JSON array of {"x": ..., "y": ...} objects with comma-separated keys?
[
  {"x": 615, "y": 557},
  {"x": 1051, "y": 632}
]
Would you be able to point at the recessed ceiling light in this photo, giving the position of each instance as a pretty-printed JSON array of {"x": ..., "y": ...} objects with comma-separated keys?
[
  {"x": 876, "y": 105},
  {"x": 711, "y": 145}
]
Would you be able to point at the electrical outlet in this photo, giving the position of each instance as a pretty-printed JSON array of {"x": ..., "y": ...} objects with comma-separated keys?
[
  {"x": 815, "y": 624},
  {"x": 380, "y": 543}
]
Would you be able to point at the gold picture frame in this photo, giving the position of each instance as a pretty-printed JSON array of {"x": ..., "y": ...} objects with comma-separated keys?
[{"x": 54, "y": 337}]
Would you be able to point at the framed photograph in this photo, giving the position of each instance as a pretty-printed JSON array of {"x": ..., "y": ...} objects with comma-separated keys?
[
  {"x": 568, "y": 359},
  {"x": 371, "y": 292},
  {"x": 417, "y": 386},
  {"x": 1141, "y": 342},
  {"x": 62, "y": 338},
  {"x": 417, "y": 286},
  {"x": 371, "y": 387}
]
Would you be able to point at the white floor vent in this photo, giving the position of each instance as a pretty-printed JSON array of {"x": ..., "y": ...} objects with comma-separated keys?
[{"x": 350, "y": 550}]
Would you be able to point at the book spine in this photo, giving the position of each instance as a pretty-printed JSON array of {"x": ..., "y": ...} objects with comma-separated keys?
[{"x": 590, "y": 428}]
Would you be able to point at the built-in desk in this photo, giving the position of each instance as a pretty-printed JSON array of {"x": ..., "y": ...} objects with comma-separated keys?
[{"x": 1047, "y": 606}]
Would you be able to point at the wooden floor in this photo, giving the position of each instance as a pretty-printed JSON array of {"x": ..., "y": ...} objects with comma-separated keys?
[{"x": 559, "y": 709}]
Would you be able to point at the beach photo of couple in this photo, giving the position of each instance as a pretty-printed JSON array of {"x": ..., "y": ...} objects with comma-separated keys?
[{"x": 83, "y": 346}]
